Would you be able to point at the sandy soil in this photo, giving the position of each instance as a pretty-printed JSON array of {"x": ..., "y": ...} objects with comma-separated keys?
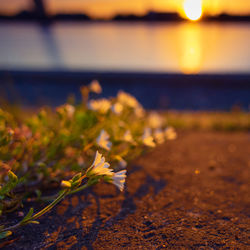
[{"x": 192, "y": 193}]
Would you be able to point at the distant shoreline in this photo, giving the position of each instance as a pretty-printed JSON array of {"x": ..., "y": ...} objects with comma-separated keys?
[
  {"x": 26, "y": 16},
  {"x": 233, "y": 78},
  {"x": 117, "y": 72},
  {"x": 124, "y": 74}
]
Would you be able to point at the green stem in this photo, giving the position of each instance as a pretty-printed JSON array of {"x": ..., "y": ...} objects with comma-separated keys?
[
  {"x": 51, "y": 205},
  {"x": 61, "y": 196},
  {"x": 79, "y": 189},
  {"x": 39, "y": 214}
]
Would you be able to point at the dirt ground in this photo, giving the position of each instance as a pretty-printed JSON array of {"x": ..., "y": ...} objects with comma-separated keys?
[{"x": 191, "y": 193}]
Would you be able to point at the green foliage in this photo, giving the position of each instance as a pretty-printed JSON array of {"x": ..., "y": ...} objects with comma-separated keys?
[
  {"x": 9, "y": 186},
  {"x": 59, "y": 145}
]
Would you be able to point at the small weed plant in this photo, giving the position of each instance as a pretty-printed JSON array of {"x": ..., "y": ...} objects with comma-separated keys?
[{"x": 71, "y": 148}]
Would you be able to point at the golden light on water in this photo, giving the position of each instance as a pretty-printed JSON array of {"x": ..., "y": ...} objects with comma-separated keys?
[
  {"x": 190, "y": 57},
  {"x": 193, "y": 9}
]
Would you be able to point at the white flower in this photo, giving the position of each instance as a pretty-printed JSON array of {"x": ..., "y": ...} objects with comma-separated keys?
[
  {"x": 154, "y": 120},
  {"x": 103, "y": 140},
  {"x": 170, "y": 133},
  {"x": 139, "y": 111},
  {"x": 128, "y": 136},
  {"x": 117, "y": 108},
  {"x": 102, "y": 105},
  {"x": 147, "y": 138},
  {"x": 159, "y": 136},
  {"x": 127, "y": 99},
  {"x": 95, "y": 87},
  {"x": 68, "y": 109},
  {"x": 99, "y": 166},
  {"x": 118, "y": 179},
  {"x": 130, "y": 101}
]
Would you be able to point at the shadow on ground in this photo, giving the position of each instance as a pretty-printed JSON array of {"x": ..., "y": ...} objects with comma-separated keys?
[{"x": 192, "y": 192}]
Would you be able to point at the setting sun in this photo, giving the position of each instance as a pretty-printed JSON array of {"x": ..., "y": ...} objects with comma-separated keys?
[{"x": 193, "y": 9}]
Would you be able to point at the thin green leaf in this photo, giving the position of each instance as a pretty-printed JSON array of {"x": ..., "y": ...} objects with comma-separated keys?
[
  {"x": 29, "y": 214},
  {"x": 34, "y": 222}
]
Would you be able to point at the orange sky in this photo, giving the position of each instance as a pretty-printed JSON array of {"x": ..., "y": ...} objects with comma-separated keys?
[{"x": 108, "y": 8}]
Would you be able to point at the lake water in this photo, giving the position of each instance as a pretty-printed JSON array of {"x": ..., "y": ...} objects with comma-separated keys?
[{"x": 140, "y": 47}]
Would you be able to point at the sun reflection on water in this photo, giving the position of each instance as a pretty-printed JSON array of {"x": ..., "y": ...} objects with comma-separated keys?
[{"x": 190, "y": 57}]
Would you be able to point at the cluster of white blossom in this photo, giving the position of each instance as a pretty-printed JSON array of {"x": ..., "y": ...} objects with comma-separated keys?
[
  {"x": 102, "y": 168},
  {"x": 152, "y": 130}
]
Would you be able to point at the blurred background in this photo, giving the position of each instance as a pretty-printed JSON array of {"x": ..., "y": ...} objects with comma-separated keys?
[{"x": 170, "y": 54}]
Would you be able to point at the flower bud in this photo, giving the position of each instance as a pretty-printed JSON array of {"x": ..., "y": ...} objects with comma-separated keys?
[{"x": 65, "y": 184}]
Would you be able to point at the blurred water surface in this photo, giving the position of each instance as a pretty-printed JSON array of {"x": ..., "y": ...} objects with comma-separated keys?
[{"x": 137, "y": 47}]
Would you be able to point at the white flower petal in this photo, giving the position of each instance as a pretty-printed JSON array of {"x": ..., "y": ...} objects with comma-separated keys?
[
  {"x": 98, "y": 158},
  {"x": 117, "y": 108},
  {"x": 159, "y": 136},
  {"x": 127, "y": 99},
  {"x": 147, "y": 138},
  {"x": 66, "y": 108},
  {"x": 103, "y": 140},
  {"x": 118, "y": 179},
  {"x": 100, "y": 167},
  {"x": 155, "y": 120},
  {"x": 128, "y": 136},
  {"x": 102, "y": 105},
  {"x": 139, "y": 111},
  {"x": 170, "y": 133},
  {"x": 95, "y": 87}
]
